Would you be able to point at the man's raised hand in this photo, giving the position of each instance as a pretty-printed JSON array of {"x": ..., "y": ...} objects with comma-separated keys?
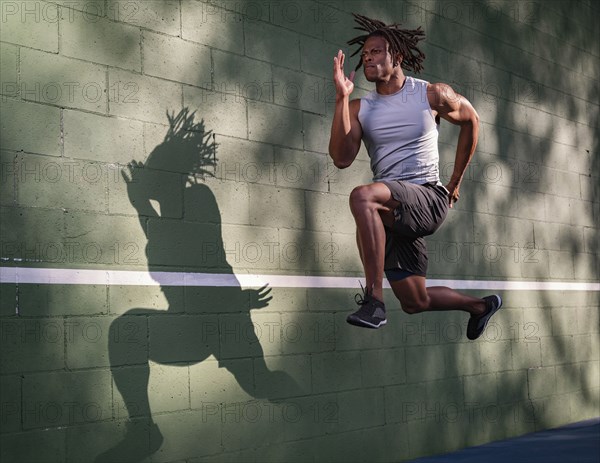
[{"x": 343, "y": 85}]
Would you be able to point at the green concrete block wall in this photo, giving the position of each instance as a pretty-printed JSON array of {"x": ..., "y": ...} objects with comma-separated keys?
[{"x": 206, "y": 374}]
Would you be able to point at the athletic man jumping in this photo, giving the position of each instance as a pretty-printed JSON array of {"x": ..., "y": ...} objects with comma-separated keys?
[{"x": 398, "y": 122}]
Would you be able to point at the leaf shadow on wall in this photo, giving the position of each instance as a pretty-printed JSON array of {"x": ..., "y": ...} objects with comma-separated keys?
[{"x": 184, "y": 235}]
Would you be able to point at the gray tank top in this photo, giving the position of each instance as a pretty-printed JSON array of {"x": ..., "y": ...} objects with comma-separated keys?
[{"x": 401, "y": 135}]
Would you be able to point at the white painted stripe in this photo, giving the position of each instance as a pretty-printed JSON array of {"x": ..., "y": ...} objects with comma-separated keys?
[{"x": 55, "y": 276}]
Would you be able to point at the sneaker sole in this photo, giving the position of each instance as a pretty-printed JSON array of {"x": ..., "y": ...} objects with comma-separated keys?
[
  {"x": 486, "y": 319},
  {"x": 364, "y": 324}
]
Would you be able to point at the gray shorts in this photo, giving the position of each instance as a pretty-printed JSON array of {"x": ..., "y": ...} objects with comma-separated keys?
[{"x": 422, "y": 210}]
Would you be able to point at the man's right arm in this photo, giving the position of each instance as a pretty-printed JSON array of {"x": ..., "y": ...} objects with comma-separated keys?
[{"x": 346, "y": 132}]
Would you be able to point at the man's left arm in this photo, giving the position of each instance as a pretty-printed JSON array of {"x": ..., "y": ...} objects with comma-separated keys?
[{"x": 456, "y": 109}]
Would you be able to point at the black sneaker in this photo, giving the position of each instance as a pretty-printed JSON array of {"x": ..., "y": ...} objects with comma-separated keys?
[
  {"x": 371, "y": 313},
  {"x": 477, "y": 323}
]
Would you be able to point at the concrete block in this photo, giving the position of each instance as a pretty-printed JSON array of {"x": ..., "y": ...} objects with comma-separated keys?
[
  {"x": 349, "y": 340},
  {"x": 124, "y": 298},
  {"x": 162, "y": 17},
  {"x": 33, "y": 25},
  {"x": 344, "y": 255},
  {"x": 9, "y": 56},
  {"x": 142, "y": 97},
  {"x": 301, "y": 170},
  {"x": 541, "y": 382},
  {"x": 301, "y": 250},
  {"x": 255, "y": 82},
  {"x": 100, "y": 437},
  {"x": 496, "y": 356},
  {"x": 581, "y": 407},
  {"x": 61, "y": 81},
  {"x": 246, "y": 162},
  {"x": 65, "y": 398},
  {"x": 123, "y": 246},
  {"x": 59, "y": 300},
  {"x": 197, "y": 338},
  {"x": 303, "y": 17},
  {"x": 231, "y": 202},
  {"x": 175, "y": 59},
  {"x": 564, "y": 321},
  {"x": 553, "y": 412},
  {"x": 404, "y": 403},
  {"x": 568, "y": 378},
  {"x": 267, "y": 326},
  {"x": 284, "y": 376},
  {"x": 426, "y": 363},
  {"x": 104, "y": 139},
  {"x": 588, "y": 186},
  {"x": 276, "y": 207},
  {"x": 46, "y": 445},
  {"x": 335, "y": 371},
  {"x": 185, "y": 244},
  {"x": 528, "y": 205},
  {"x": 180, "y": 432},
  {"x": 317, "y": 130},
  {"x": 145, "y": 192},
  {"x": 512, "y": 387},
  {"x": 294, "y": 452},
  {"x": 48, "y": 182},
  {"x": 16, "y": 121},
  {"x": 212, "y": 25},
  {"x": 332, "y": 447},
  {"x": 275, "y": 124},
  {"x": 103, "y": 42},
  {"x": 212, "y": 384},
  {"x": 8, "y": 300},
  {"x": 343, "y": 181},
  {"x": 316, "y": 56},
  {"x": 250, "y": 247},
  {"x": 259, "y": 44},
  {"x": 169, "y": 388},
  {"x": 561, "y": 265},
  {"x": 557, "y": 350},
  {"x": 537, "y": 265},
  {"x": 10, "y": 398},
  {"x": 307, "y": 333},
  {"x": 557, "y": 209},
  {"x": 32, "y": 235},
  {"x": 248, "y": 455},
  {"x": 241, "y": 336},
  {"x": 103, "y": 341},
  {"x": 526, "y": 354},
  {"x": 547, "y": 235},
  {"x": 223, "y": 113},
  {"x": 299, "y": 90},
  {"x": 357, "y": 413},
  {"x": 328, "y": 212},
  {"x": 586, "y": 267},
  {"x": 583, "y": 213},
  {"x": 590, "y": 376},
  {"x": 247, "y": 424},
  {"x": 462, "y": 358},
  {"x": 32, "y": 345},
  {"x": 587, "y": 320},
  {"x": 383, "y": 367},
  {"x": 8, "y": 175},
  {"x": 458, "y": 228},
  {"x": 308, "y": 417}
]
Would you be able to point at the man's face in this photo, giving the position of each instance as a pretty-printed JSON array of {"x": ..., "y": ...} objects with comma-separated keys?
[{"x": 377, "y": 61}]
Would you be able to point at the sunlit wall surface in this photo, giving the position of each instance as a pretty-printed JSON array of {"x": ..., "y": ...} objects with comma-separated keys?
[{"x": 162, "y": 160}]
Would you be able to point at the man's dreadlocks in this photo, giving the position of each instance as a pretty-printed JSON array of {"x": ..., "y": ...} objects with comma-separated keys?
[{"x": 401, "y": 41}]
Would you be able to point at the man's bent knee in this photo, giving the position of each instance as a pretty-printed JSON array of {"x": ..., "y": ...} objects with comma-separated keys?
[{"x": 416, "y": 306}]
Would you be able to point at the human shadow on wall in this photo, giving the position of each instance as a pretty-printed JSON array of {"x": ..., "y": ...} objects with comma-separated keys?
[{"x": 184, "y": 234}]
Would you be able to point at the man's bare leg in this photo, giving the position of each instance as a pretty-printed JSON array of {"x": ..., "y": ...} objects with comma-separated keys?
[
  {"x": 368, "y": 203},
  {"x": 415, "y": 297}
]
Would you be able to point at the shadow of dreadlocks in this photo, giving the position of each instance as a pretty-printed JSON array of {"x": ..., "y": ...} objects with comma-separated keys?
[{"x": 199, "y": 320}]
